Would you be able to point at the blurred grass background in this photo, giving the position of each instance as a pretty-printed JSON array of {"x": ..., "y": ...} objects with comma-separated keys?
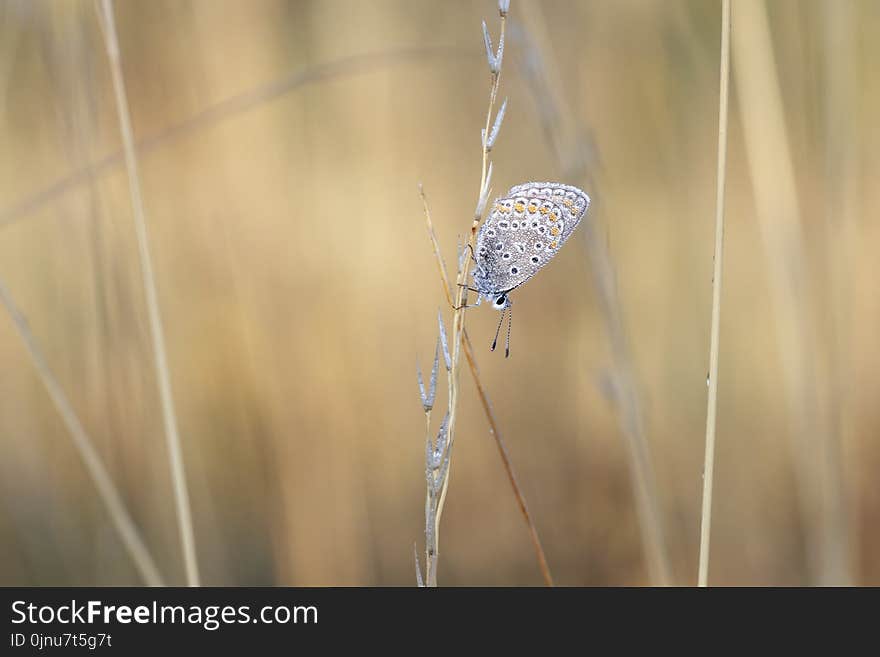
[{"x": 298, "y": 288}]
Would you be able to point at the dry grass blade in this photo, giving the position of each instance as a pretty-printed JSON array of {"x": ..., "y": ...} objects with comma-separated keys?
[
  {"x": 567, "y": 141},
  {"x": 459, "y": 333},
  {"x": 487, "y": 405},
  {"x": 224, "y": 110},
  {"x": 814, "y": 446},
  {"x": 441, "y": 264},
  {"x": 178, "y": 474},
  {"x": 505, "y": 460},
  {"x": 419, "y": 579},
  {"x": 712, "y": 403},
  {"x": 107, "y": 491}
]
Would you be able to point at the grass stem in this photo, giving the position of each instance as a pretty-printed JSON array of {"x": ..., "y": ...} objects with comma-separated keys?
[
  {"x": 107, "y": 491},
  {"x": 815, "y": 443},
  {"x": 712, "y": 404},
  {"x": 572, "y": 149},
  {"x": 169, "y": 418}
]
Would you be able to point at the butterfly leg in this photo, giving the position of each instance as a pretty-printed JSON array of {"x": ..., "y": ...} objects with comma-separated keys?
[
  {"x": 471, "y": 249},
  {"x": 470, "y": 305}
]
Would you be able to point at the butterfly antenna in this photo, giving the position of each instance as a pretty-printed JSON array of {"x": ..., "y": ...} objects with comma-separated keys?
[
  {"x": 498, "y": 330},
  {"x": 509, "y": 322}
]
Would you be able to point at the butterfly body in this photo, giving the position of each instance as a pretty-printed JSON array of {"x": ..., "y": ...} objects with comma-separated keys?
[{"x": 522, "y": 233}]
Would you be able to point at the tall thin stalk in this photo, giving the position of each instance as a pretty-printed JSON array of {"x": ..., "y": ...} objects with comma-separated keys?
[
  {"x": 712, "y": 403},
  {"x": 814, "y": 441},
  {"x": 486, "y": 403},
  {"x": 438, "y": 454},
  {"x": 572, "y": 149},
  {"x": 169, "y": 418},
  {"x": 107, "y": 491}
]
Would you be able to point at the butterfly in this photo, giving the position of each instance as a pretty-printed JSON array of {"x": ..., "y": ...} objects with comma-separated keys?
[{"x": 522, "y": 233}]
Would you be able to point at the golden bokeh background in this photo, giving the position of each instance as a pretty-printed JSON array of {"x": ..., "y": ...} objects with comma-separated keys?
[{"x": 281, "y": 145}]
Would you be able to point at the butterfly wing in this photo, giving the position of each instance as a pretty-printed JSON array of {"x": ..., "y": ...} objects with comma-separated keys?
[
  {"x": 490, "y": 247},
  {"x": 572, "y": 201},
  {"x": 523, "y": 233}
]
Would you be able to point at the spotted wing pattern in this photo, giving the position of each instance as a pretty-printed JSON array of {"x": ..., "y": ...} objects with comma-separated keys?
[
  {"x": 523, "y": 232},
  {"x": 573, "y": 201}
]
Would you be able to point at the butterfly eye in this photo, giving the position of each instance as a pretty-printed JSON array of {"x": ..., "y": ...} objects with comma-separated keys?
[{"x": 500, "y": 300}]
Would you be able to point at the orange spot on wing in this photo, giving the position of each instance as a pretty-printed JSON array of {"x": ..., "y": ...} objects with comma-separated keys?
[{"x": 554, "y": 231}]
